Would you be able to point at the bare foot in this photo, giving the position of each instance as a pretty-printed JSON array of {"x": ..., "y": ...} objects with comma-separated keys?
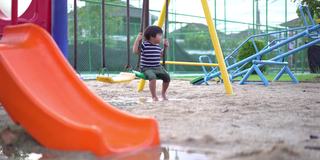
[
  {"x": 164, "y": 97},
  {"x": 155, "y": 99}
]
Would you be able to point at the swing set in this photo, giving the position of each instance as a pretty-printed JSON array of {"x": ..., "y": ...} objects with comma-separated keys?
[{"x": 163, "y": 20}]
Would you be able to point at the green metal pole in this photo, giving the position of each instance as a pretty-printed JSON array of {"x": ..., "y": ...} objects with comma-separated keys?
[
  {"x": 267, "y": 20},
  {"x": 258, "y": 16},
  {"x": 174, "y": 37},
  {"x": 289, "y": 59},
  {"x": 253, "y": 20},
  {"x": 303, "y": 62},
  {"x": 286, "y": 12},
  {"x": 267, "y": 16},
  {"x": 286, "y": 15},
  {"x": 225, "y": 16},
  {"x": 215, "y": 13},
  {"x": 90, "y": 56}
]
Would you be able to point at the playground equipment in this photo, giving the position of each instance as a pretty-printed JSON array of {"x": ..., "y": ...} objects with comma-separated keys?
[
  {"x": 215, "y": 42},
  {"x": 49, "y": 14},
  {"x": 191, "y": 63},
  {"x": 123, "y": 77},
  {"x": 255, "y": 67},
  {"x": 41, "y": 92},
  {"x": 5, "y": 7},
  {"x": 144, "y": 24},
  {"x": 236, "y": 69}
]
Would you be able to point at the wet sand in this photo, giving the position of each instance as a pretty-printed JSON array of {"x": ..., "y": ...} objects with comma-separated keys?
[{"x": 258, "y": 122}]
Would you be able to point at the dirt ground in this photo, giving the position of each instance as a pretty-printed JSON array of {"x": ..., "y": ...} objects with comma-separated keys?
[{"x": 279, "y": 122}]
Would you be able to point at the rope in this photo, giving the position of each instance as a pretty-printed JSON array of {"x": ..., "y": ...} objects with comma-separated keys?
[
  {"x": 128, "y": 66},
  {"x": 144, "y": 23},
  {"x": 165, "y": 34}
]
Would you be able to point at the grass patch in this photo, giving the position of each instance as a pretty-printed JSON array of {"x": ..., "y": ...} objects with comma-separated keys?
[{"x": 285, "y": 78}]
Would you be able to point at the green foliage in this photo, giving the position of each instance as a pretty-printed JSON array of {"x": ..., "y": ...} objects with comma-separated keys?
[
  {"x": 89, "y": 20},
  {"x": 195, "y": 36},
  {"x": 247, "y": 50},
  {"x": 314, "y": 7},
  {"x": 200, "y": 41}
]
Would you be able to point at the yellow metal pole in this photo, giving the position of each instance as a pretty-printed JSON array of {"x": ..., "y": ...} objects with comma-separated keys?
[
  {"x": 217, "y": 48},
  {"x": 162, "y": 14},
  {"x": 191, "y": 64},
  {"x": 161, "y": 20},
  {"x": 141, "y": 85}
]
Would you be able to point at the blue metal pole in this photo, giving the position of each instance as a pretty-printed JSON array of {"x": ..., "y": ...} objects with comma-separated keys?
[
  {"x": 278, "y": 76},
  {"x": 302, "y": 14},
  {"x": 60, "y": 24},
  {"x": 310, "y": 17},
  {"x": 277, "y": 57},
  {"x": 260, "y": 35},
  {"x": 274, "y": 47}
]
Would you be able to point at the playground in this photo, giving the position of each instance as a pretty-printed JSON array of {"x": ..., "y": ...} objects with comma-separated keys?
[
  {"x": 247, "y": 125},
  {"x": 238, "y": 89}
]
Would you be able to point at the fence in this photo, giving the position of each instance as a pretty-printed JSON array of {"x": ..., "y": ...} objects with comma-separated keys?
[{"x": 188, "y": 35}]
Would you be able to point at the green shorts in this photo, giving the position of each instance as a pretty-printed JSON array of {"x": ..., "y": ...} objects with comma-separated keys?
[{"x": 152, "y": 73}]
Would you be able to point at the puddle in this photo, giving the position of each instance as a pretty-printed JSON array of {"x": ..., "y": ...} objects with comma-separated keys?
[
  {"x": 121, "y": 102},
  {"x": 178, "y": 153},
  {"x": 149, "y": 100},
  {"x": 164, "y": 153}
]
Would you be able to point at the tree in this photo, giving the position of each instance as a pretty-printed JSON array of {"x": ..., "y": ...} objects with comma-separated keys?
[
  {"x": 89, "y": 19},
  {"x": 314, "y": 7},
  {"x": 90, "y": 34},
  {"x": 248, "y": 50}
]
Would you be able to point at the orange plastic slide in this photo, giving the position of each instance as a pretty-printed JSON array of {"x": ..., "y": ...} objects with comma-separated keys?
[{"x": 41, "y": 92}]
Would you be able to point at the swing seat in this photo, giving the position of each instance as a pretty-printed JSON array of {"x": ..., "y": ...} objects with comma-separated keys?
[
  {"x": 123, "y": 77},
  {"x": 139, "y": 74},
  {"x": 142, "y": 81}
]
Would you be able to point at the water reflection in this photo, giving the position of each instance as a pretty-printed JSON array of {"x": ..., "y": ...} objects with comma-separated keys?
[
  {"x": 163, "y": 153},
  {"x": 122, "y": 102},
  {"x": 178, "y": 153}
]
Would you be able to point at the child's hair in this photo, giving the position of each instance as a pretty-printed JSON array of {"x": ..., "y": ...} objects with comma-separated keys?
[{"x": 152, "y": 31}]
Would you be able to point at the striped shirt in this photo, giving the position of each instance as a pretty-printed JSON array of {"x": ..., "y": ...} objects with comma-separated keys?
[{"x": 150, "y": 55}]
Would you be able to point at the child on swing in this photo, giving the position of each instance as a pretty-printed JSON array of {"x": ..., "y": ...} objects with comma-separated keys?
[{"x": 150, "y": 57}]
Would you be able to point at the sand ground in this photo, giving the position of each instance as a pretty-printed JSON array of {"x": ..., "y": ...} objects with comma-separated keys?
[{"x": 257, "y": 122}]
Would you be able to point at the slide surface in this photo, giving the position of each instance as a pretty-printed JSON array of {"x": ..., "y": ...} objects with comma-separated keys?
[{"x": 41, "y": 92}]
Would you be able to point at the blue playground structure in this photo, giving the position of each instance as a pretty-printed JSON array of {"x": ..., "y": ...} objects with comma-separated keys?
[{"x": 236, "y": 68}]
